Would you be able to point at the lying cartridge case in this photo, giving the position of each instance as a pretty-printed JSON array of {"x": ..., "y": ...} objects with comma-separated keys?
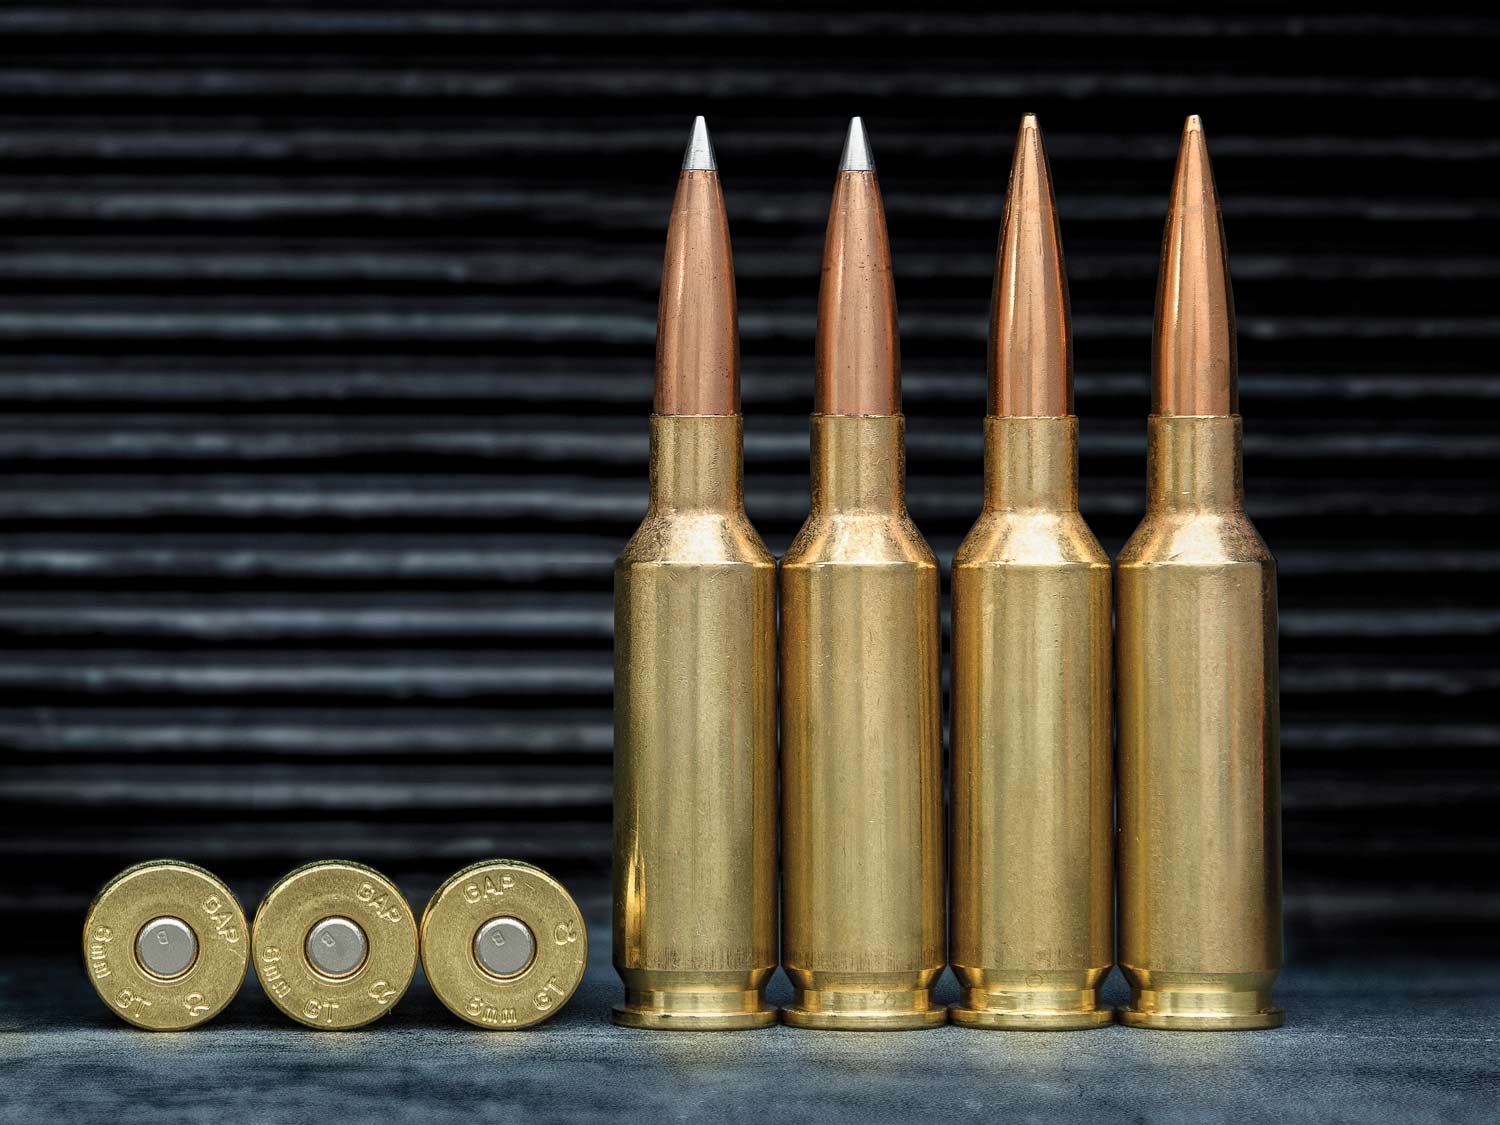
[
  {"x": 862, "y": 840},
  {"x": 1032, "y": 927},
  {"x": 166, "y": 945},
  {"x": 695, "y": 670},
  {"x": 1199, "y": 770},
  {"x": 503, "y": 944},
  {"x": 335, "y": 944}
]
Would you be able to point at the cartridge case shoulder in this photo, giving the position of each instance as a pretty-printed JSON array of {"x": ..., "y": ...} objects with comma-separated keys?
[
  {"x": 695, "y": 539},
  {"x": 860, "y": 539},
  {"x": 1195, "y": 539},
  {"x": 1053, "y": 539}
]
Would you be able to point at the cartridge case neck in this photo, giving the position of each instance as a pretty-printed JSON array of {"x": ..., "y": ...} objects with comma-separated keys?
[
  {"x": 858, "y": 462},
  {"x": 1031, "y": 463},
  {"x": 1195, "y": 464},
  {"x": 697, "y": 462}
]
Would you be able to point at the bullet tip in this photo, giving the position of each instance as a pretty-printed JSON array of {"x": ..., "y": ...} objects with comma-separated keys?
[
  {"x": 1194, "y": 124},
  {"x": 1029, "y": 122},
  {"x": 857, "y": 156},
  {"x": 700, "y": 150}
]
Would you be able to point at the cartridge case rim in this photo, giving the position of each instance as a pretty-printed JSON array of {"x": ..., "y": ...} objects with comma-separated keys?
[
  {"x": 193, "y": 895},
  {"x": 309, "y": 894},
  {"x": 864, "y": 1010},
  {"x": 1031, "y": 1020},
  {"x": 494, "y": 888},
  {"x": 669, "y": 1013},
  {"x": 1266, "y": 1020}
]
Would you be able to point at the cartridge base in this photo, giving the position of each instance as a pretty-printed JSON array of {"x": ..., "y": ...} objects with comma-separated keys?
[
  {"x": 1202, "y": 1009},
  {"x": 694, "y": 1011},
  {"x": 1067, "y": 1010},
  {"x": 828, "y": 1010}
]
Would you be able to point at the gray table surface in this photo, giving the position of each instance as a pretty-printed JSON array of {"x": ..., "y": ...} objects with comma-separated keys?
[{"x": 1388, "y": 1042}]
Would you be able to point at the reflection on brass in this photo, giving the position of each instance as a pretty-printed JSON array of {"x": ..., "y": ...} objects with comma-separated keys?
[
  {"x": 1033, "y": 789},
  {"x": 165, "y": 945},
  {"x": 369, "y": 934},
  {"x": 695, "y": 705},
  {"x": 862, "y": 801},
  {"x": 1199, "y": 763},
  {"x": 503, "y": 944}
]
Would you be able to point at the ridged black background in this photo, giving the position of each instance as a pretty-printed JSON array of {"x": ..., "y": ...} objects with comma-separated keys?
[{"x": 327, "y": 334}]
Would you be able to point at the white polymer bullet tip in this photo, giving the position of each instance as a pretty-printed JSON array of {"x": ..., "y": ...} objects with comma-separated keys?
[{"x": 700, "y": 150}]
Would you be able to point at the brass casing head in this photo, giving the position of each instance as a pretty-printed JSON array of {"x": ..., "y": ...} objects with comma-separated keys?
[
  {"x": 1032, "y": 926},
  {"x": 695, "y": 743},
  {"x": 862, "y": 787},
  {"x": 525, "y": 908},
  {"x": 196, "y": 923},
  {"x": 1199, "y": 760},
  {"x": 368, "y": 928}
]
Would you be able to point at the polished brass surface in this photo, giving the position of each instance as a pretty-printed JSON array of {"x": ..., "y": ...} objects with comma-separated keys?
[
  {"x": 862, "y": 800},
  {"x": 695, "y": 743},
  {"x": 858, "y": 347},
  {"x": 1199, "y": 763},
  {"x": 511, "y": 890},
  {"x": 1032, "y": 928},
  {"x": 182, "y": 894},
  {"x": 1031, "y": 337},
  {"x": 697, "y": 338},
  {"x": 314, "y": 893},
  {"x": 1193, "y": 348}
]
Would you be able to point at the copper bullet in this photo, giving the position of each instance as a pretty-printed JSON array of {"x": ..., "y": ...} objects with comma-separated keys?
[
  {"x": 1031, "y": 336},
  {"x": 1193, "y": 349},
  {"x": 858, "y": 345},
  {"x": 695, "y": 668},
  {"x": 862, "y": 792},
  {"x": 1199, "y": 735},
  {"x": 697, "y": 334},
  {"x": 1033, "y": 793}
]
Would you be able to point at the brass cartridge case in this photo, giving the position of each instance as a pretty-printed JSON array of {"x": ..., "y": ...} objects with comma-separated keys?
[
  {"x": 695, "y": 742},
  {"x": 166, "y": 945},
  {"x": 1033, "y": 787},
  {"x": 862, "y": 799},
  {"x": 1199, "y": 768},
  {"x": 503, "y": 944},
  {"x": 335, "y": 944}
]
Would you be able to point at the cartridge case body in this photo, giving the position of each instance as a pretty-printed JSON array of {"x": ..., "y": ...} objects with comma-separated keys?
[
  {"x": 695, "y": 742},
  {"x": 1199, "y": 764},
  {"x": 862, "y": 868},
  {"x": 1032, "y": 927}
]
